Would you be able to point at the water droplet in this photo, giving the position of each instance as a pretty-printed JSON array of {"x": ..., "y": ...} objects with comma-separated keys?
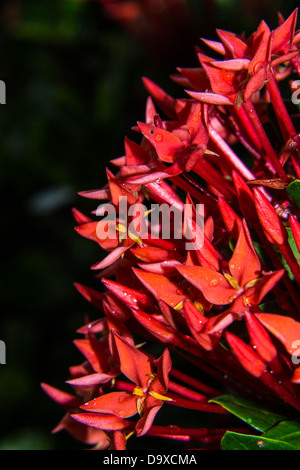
[
  {"x": 214, "y": 283},
  {"x": 122, "y": 413},
  {"x": 179, "y": 292},
  {"x": 159, "y": 137},
  {"x": 260, "y": 443}
]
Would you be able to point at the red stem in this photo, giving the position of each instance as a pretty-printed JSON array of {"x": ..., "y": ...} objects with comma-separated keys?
[
  {"x": 270, "y": 152},
  {"x": 284, "y": 120}
]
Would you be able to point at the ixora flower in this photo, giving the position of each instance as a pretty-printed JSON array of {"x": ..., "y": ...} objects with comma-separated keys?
[{"x": 212, "y": 325}]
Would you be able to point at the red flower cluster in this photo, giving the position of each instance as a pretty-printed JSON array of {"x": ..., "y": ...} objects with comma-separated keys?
[{"x": 228, "y": 306}]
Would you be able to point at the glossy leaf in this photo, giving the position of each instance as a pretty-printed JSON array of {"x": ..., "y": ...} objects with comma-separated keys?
[
  {"x": 254, "y": 414},
  {"x": 236, "y": 441}
]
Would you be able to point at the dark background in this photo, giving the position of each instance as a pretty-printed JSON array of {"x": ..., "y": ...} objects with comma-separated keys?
[{"x": 74, "y": 90}]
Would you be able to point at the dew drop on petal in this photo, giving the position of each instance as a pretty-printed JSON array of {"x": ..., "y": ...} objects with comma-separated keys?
[
  {"x": 121, "y": 413},
  {"x": 158, "y": 137},
  {"x": 214, "y": 283}
]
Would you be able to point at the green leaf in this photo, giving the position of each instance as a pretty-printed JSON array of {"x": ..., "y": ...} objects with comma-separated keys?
[
  {"x": 253, "y": 414},
  {"x": 236, "y": 441},
  {"x": 293, "y": 190},
  {"x": 287, "y": 431},
  {"x": 294, "y": 249}
]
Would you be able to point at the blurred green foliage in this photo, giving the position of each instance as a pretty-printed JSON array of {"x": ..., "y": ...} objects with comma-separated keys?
[{"x": 74, "y": 90}]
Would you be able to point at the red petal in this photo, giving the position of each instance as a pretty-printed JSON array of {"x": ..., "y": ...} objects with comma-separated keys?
[
  {"x": 296, "y": 376},
  {"x": 92, "y": 379},
  {"x": 121, "y": 404},
  {"x": 111, "y": 258},
  {"x": 96, "y": 352},
  {"x": 101, "y": 421},
  {"x": 246, "y": 355},
  {"x": 259, "y": 338},
  {"x": 196, "y": 323},
  {"x": 164, "y": 366},
  {"x": 245, "y": 197},
  {"x": 158, "y": 329},
  {"x": 150, "y": 254},
  {"x": 231, "y": 220},
  {"x": 161, "y": 287},
  {"x": 90, "y": 294},
  {"x": 256, "y": 293},
  {"x": 285, "y": 329},
  {"x": 103, "y": 232},
  {"x": 244, "y": 264},
  {"x": 256, "y": 82},
  {"x": 133, "y": 363},
  {"x": 283, "y": 35},
  {"x": 64, "y": 399},
  {"x": 234, "y": 44},
  {"x": 211, "y": 98},
  {"x": 269, "y": 219},
  {"x": 165, "y": 102},
  {"x": 196, "y": 77},
  {"x": 165, "y": 143},
  {"x": 213, "y": 285},
  {"x": 83, "y": 433},
  {"x": 80, "y": 217},
  {"x": 132, "y": 298},
  {"x": 151, "y": 408},
  {"x": 135, "y": 154}
]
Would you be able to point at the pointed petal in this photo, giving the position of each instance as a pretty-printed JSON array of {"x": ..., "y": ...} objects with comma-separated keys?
[
  {"x": 96, "y": 194},
  {"x": 161, "y": 287},
  {"x": 96, "y": 352},
  {"x": 80, "y": 217},
  {"x": 83, "y": 433},
  {"x": 135, "y": 154},
  {"x": 213, "y": 285},
  {"x": 196, "y": 322},
  {"x": 256, "y": 82},
  {"x": 91, "y": 295},
  {"x": 133, "y": 363},
  {"x": 269, "y": 219},
  {"x": 151, "y": 254},
  {"x": 259, "y": 338},
  {"x": 284, "y": 33},
  {"x": 211, "y": 98},
  {"x": 151, "y": 408},
  {"x": 92, "y": 379},
  {"x": 285, "y": 329},
  {"x": 64, "y": 399},
  {"x": 256, "y": 293},
  {"x": 246, "y": 355},
  {"x": 244, "y": 264},
  {"x": 111, "y": 258},
  {"x": 132, "y": 298},
  {"x": 164, "y": 101},
  {"x": 121, "y": 404},
  {"x": 232, "y": 221},
  {"x": 165, "y": 143},
  {"x": 101, "y": 421}
]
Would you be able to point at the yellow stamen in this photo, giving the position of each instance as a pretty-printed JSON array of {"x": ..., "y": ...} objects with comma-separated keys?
[
  {"x": 232, "y": 281},
  {"x": 159, "y": 396}
]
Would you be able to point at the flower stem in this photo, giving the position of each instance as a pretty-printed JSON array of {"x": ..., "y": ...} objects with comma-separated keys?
[{"x": 270, "y": 152}]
